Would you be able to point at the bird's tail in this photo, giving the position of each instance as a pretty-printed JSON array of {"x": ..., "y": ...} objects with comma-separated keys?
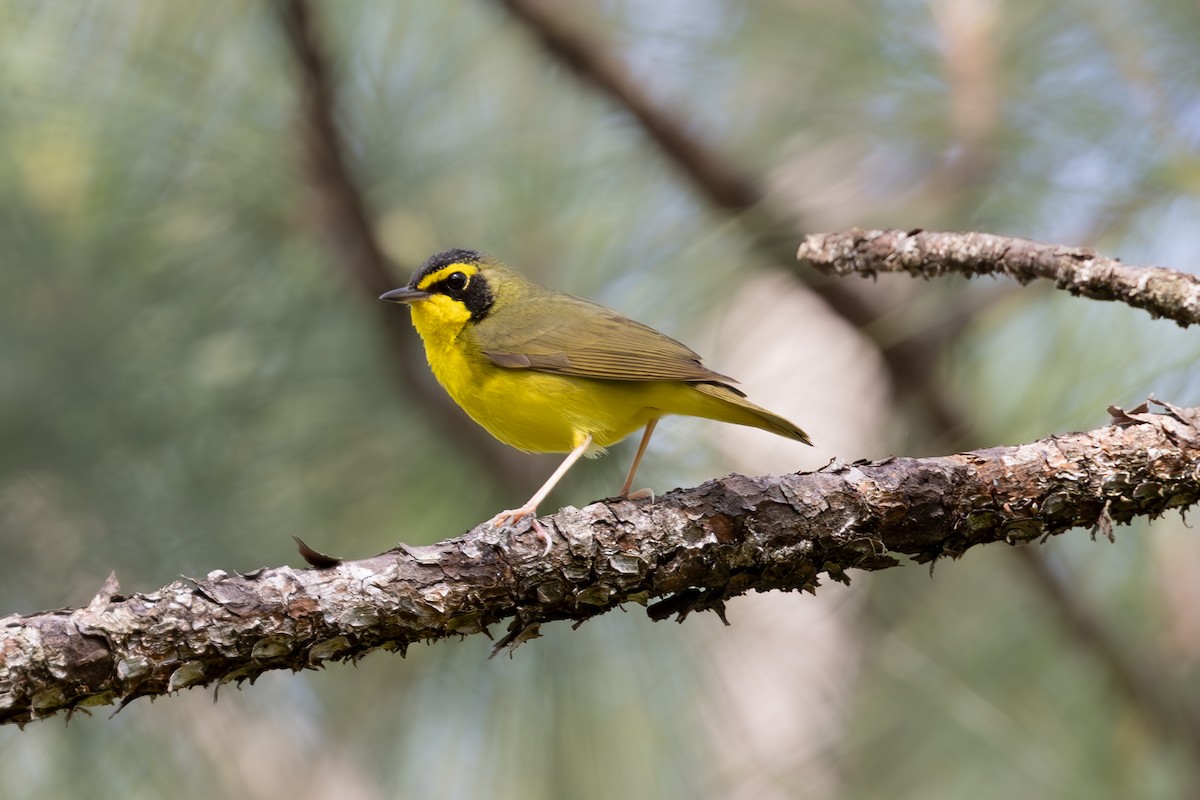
[{"x": 732, "y": 406}]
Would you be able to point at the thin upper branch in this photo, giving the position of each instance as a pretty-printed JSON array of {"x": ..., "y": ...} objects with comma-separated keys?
[
  {"x": 693, "y": 548},
  {"x": 1162, "y": 292}
]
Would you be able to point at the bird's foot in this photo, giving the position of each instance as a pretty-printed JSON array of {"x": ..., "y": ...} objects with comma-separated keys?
[
  {"x": 514, "y": 515},
  {"x": 641, "y": 494}
]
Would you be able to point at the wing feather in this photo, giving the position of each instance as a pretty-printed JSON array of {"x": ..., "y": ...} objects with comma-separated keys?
[{"x": 559, "y": 333}]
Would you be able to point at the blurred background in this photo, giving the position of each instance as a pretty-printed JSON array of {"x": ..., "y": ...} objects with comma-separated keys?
[{"x": 194, "y": 367}]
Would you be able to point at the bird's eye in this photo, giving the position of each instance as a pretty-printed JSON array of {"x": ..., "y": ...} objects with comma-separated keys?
[{"x": 456, "y": 281}]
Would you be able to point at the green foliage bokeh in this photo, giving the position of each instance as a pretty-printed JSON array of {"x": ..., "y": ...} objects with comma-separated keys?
[{"x": 188, "y": 377}]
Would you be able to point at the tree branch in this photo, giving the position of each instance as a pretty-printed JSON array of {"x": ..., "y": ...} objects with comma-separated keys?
[
  {"x": 1079, "y": 270},
  {"x": 694, "y": 548},
  {"x": 341, "y": 209},
  {"x": 346, "y": 223},
  {"x": 718, "y": 179},
  {"x": 714, "y": 176}
]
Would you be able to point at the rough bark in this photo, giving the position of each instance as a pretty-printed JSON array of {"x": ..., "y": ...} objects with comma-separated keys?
[
  {"x": 691, "y": 550},
  {"x": 1160, "y": 291}
]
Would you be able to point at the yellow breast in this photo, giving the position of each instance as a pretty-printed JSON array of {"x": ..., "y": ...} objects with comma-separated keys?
[{"x": 534, "y": 411}]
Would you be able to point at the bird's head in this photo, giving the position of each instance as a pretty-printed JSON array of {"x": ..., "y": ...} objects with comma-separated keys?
[{"x": 448, "y": 291}]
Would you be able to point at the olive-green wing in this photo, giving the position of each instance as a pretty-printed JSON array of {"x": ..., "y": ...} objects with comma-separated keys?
[{"x": 560, "y": 333}]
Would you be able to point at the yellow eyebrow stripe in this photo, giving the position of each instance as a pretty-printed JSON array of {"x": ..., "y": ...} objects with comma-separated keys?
[{"x": 429, "y": 280}]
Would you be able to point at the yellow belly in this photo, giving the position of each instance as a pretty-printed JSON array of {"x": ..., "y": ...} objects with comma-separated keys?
[{"x": 542, "y": 412}]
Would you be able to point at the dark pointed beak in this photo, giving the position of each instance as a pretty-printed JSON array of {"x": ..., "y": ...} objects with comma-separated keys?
[{"x": 404, "y": 294}]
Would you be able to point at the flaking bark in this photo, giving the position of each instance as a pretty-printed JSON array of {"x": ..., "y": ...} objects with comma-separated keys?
[
  {"x": 1160, "y": 291},
  {"x": 691, "y": 550}
]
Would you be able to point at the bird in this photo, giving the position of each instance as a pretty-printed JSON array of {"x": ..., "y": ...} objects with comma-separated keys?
[{"x": 548, "y": 372}]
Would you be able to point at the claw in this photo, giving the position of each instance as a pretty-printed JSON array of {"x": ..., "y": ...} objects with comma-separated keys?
[
  {"x": 505, "y": 518},
  {"x": 544, "y": 534}
]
